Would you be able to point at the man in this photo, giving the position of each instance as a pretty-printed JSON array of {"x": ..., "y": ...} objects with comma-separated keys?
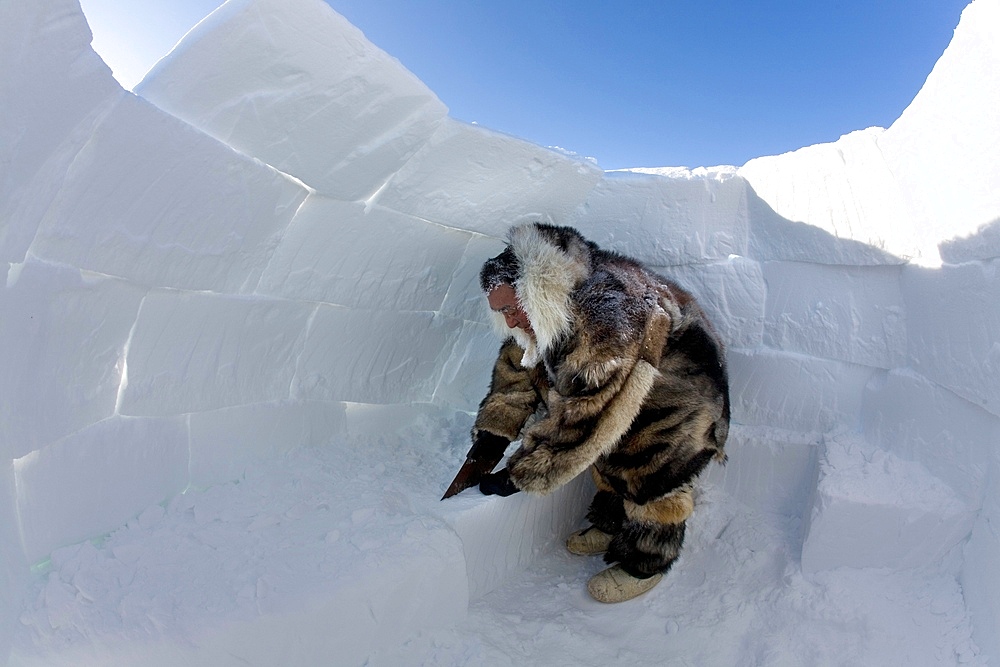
[{"x": 629, "y": 380}]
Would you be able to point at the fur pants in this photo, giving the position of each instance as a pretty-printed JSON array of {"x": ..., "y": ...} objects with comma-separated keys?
[{"x": 647, "y": 538}]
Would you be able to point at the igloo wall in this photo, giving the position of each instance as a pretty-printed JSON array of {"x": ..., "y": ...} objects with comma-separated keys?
[{"x": 276, "y": 243}]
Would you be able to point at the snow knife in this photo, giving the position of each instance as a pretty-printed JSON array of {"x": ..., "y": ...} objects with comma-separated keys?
[{"x": 484, "y": 455}]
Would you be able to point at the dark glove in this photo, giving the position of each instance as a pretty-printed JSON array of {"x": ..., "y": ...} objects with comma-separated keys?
[
  {"x": 486, "y": 452},
  {"x": 498, "y": 484}
]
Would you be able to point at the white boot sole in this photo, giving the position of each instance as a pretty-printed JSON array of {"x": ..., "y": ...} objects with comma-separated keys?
[{"x": 616, "y": 585}]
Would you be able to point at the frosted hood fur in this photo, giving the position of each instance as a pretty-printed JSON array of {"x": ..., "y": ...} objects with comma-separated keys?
[{"x": 553, "y": 261}]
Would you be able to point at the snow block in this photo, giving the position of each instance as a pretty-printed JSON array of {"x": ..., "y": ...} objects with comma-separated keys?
[
  {"x": 295, "y": 85},
  {"x": 980, "y": 578},
  {"x": 13, "y": 567},
  {"x": 686, "y": 217},
  {"x": 769, "y": 469},
  {"x": 347, "y": 254},
  {"x": 953, "y": 316},
  {"x": 96, "y": 479},
  {"x": 732, "y": 294},
  {"x": 918, "y": 420},
  {"x": 410, "y": 423},
  {"x": 944, "y": 149},
  {"x": 53, "y": 88},
  {"x": 193, "y": 352},
  {"x": 155, "y": 201},
  {"x": 63, "y": 334},
  {"x": 844, "y": 188},
  {"x": 773, "y": 237},
  {"x": 795, "y": 392},
  {"x": 465, "y": 299},
  {"x": 984, "y": 243},
  {"x": 465, "y": 374},
  {"x": 373, "y": 356},
  {"x": 468, "y": 363},
  {"x": 224, "y": 442},
  {"x": 873, "y": 509},
  {"x": 475, "y": 179},
  {"x": 852, "y": 314},
  {"x": 501, "y": 536}
]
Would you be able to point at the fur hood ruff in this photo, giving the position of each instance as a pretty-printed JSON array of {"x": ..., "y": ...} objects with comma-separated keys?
[{"x": 554, "y": 261}]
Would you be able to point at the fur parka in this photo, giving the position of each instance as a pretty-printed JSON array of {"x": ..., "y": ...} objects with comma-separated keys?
[{"x": 631, "y": 374}]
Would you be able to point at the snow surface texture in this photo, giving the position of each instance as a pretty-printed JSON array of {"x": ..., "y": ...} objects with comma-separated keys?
[{"x": 242, "y": 341}]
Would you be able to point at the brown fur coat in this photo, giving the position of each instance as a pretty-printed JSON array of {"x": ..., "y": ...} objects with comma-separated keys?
[{"x": 631, "y": 372}]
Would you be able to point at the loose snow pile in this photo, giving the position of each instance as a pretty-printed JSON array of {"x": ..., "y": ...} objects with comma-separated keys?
[{"x": 242, "y": 342}]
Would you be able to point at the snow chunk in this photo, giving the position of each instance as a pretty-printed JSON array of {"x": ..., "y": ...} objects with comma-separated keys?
[
  {"x": 298, "y": 87},
  {"x": 952, "y": 328},
  {"x": 155, "y": 201},
  {"x": 465, "y": 374},
  {"x": 732, "y": 293},
  {"x": 980, "y": 577},
  {"x": 794, "y": 392},
  {"x": 853, "y": 314},
  {"x": 680, "y": 219},
  {"x": 53, "y": 90},
  {"x": 919, "y": 420},
  {"x": 472, "y": 178},
  {"x": 769, "y": 469},
  {"x": 196, "y": 351},
  {"x": 68, "y": 492},
  {"x": 63, "y": 336},
  {"x": 773, "y": 237},
  {"x": 354, "y": 355},
  {"x": 873, "y": 509},
  {"x": 373, "y": 258}
]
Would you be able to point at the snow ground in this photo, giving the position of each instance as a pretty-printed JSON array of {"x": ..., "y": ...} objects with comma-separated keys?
[
  {"x": 295, "y": 528},
  {"x": 735, "y": 597}
]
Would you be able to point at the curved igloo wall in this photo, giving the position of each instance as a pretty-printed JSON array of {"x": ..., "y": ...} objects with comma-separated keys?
[{"x": 276, "y": 242}]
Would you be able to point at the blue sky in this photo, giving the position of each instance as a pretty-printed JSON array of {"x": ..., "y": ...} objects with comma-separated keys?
[{"x": 645, "y": 83}]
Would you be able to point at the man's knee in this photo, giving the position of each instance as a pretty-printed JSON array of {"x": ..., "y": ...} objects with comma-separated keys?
[
  {"x": 652, "y": 534},
  {"x": 673, "y": 508}
]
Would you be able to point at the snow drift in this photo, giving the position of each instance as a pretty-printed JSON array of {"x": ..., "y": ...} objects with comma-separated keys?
[{"x": 275, "y": 246}]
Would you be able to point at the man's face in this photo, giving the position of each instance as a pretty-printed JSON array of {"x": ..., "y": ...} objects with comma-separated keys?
[{"x": 503, "y": 300}]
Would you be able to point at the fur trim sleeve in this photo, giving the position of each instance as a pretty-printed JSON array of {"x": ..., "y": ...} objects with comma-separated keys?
[
  {"x": 514, "y": 395},
  {"x": 577, "y": 432}
]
